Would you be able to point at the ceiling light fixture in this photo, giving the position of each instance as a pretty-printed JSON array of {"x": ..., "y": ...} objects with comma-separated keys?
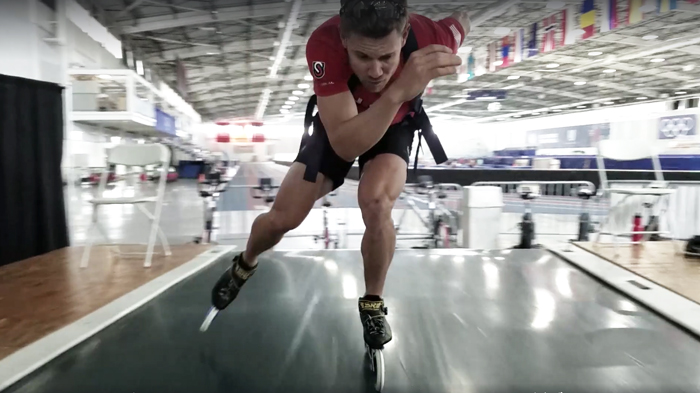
[
  {"x": 535, "y": 113},
  {"x": 556, "y": 110},
  {"x": 517, "y": 116},
  {"x": 552, "y": 65},
  {"x": 680, "y": 93},
  {"x": 641, "y": 98},
  {"x": 293, "y": 98},
  {"x": 580, "y": 83},
  {"x": 595, "y": 53},
  {"x": 289, "y": 103},
  {"x": 304, "y": 86},
  {"x": 650, "y": 37},
  {"x": 308, "y": 78},
  {"x": 657, "y": 60},
  {"x": 286, "y": 107},
  {"x": 501, "y": 31},
  {"x": 581, "y": 107},
  {"x": 512, "y": 77},
  {"x": 284, "y": 111},
  {"x": 608, "y": 103},
  {"x": 576, "y": 70},
  {"x": 298, "y": 93},
  {"x": 609, "y": 71}
]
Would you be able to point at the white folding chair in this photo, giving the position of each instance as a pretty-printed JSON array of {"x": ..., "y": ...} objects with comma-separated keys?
[
  {"x": 629, "y": 150},
  {"x": 133, "y": 156}
]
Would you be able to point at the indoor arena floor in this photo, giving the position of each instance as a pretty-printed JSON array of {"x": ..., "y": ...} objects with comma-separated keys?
[{"x": 463, "y": 321}]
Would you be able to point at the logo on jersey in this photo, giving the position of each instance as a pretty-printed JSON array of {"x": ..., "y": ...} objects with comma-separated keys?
[{"x": 319, "y": 69}]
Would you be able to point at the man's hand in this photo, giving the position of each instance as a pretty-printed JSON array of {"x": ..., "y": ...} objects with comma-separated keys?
[
  {"x": 463, "y": 18},
  {"x": 423, "y": 66}
]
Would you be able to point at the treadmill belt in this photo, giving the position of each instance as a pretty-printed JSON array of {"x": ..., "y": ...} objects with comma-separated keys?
[{"x": 499, "y": 321}]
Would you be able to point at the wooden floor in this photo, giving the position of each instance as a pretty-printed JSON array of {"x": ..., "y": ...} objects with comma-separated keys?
[
  {"x": 657, "y": 262},
  {"x": 43, "y": 294}
]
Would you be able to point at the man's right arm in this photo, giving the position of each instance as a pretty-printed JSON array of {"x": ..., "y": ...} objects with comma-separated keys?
[{"x": 350, "y": 133}]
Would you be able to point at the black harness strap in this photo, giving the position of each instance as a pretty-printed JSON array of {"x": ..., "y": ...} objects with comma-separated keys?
[{"x": 420, "y": 120}]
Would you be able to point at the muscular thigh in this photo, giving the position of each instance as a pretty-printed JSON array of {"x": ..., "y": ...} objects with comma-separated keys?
[
  {"x": 383, "y": 176},
  {"x": 296, "y": 196}
]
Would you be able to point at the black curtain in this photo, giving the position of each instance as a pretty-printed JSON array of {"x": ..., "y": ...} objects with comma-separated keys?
[{"x": 32, "y": 209}]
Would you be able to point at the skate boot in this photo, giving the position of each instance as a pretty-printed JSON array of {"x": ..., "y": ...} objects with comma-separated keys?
[
  {"x": 227, "y": 288},
  {"x": 373, "y": 316}
]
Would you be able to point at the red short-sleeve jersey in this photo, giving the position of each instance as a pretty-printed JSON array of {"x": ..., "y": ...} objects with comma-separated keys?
[{"x": 329, "y": 65}]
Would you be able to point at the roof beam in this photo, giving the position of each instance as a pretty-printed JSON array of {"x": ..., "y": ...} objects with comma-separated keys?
[
  {"x": 273, "y": 9},
  {"x": 236, "y": 46}
]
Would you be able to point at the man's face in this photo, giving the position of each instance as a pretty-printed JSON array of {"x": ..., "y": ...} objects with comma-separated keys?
[{"x": 374, "y": 61}]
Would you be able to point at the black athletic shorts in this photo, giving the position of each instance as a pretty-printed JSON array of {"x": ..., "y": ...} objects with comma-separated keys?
[{"x": 397, "y": 140}]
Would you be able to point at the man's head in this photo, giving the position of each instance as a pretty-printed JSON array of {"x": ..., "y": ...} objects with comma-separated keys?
[{"x": 373, "y": 32}]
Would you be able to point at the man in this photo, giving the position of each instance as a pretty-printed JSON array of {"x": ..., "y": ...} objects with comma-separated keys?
[{"x": 371, "y": 122}]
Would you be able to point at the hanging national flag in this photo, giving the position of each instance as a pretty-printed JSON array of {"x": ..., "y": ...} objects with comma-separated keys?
[
  {"x": 588, "y": 18},
  {"x": 666, "y": 5},
  {"x": 471, "y": 62},
  {"x": 569, "y": 37},
  {"x": 492, "y": 57},
  {"x": 609, "y": 15},
  {"x": 505, "y": 51},
  {"x": 634, "y": 13},
  {"x": 549, "y": 25},
  {"x": 532, "y": 43},
  {"x": 518, "y": 41}
]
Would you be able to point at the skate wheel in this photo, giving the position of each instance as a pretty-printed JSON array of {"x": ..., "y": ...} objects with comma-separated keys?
[
  {"x": 376, "y": 364},
  {"x": 208, "y": 320}
]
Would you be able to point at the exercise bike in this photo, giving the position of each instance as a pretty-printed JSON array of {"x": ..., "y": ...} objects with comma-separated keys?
[
  {"x": 528, "y": 193},
  {"x": 440, "y": 223},
  {"x": 210, "y": 189},
  {"x": 326, "y": 237},
  {"x": 264, "y": 190}
]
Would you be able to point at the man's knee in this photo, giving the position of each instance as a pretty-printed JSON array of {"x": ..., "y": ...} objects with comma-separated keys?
[
  {"x": 376, "y": 206},
  {"x": 283, "y": 221}
]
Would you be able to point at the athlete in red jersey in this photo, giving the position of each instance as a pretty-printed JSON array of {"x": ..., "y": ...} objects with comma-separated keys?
[{"x": 370, "y": 123}]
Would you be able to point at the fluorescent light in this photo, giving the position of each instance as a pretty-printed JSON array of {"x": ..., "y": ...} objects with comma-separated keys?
[
  {"x": 501, "y": 31},
  {"x": 552, "y": 65},
  {"x": 608, "y": 103},
  {"x": 104, "y": 76},
  {"x": 689, "y": 67},
  {"x": 298, "y": 93},
  {"x": 658, "y": 60},
  {"x": 535, "y": 113},
  {"x": 576, "y": 70},
  {"x": 595, "y": 53},
  {"x": 580, "y": 83},
  {"x": 464, "y": 49},
  {"x": 681, "y": 93},
  {"x": 308, "y": 78},
  {"x": 641, "y": 98},
  {"x": 498, "y": 63},
  {"x": 650, "y": 37},
  {"x": 516, "y": 116},
  {"x": 304, "y": 86},
  {"x": 489, "y": 98},
  {"x": 581, "y": 107},
  {"x": 289, "y": 103},
  {"x": 286, "y": 107},
  {"x": 609, "y": 71},
  {"x": 514, "y": 77},
  {"x": 293, "y": 98},
  {"x": 556, "y": 110},
  {"x": 284, "y": 111},
  {"x": 212, "y": 53}
]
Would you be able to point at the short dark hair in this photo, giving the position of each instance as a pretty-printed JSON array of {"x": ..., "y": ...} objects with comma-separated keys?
[{"x": 372, "y": 18}]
